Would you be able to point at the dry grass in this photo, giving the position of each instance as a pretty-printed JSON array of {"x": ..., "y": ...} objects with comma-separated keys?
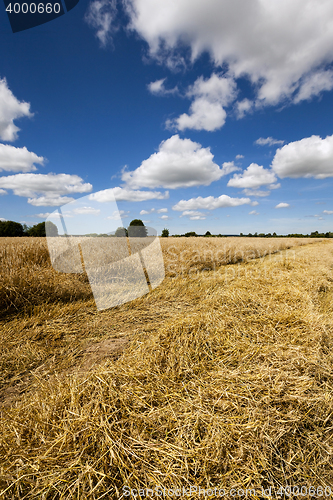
[
  {"x": 184, "y": 256},
  {"x": 227, "y": 382},
  {"x": 27, "y": 278}
]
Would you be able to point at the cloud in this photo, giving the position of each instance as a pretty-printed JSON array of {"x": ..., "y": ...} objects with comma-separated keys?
[
  {"x": 164, "y": 217},
  {"x": 207, "y": 109},
  {"x": 229, "y": 166},
  {"x": 253, "y": 177},
  {"x": 101, "y": 15},
  {"x": 18, "y": 159},
  {"x": 210, "y": 203},
  {"x": 86, "y": 211},
  {"x": 49, "y": 201},
  {"x": 282, "y": 205},
  {"x": 194, "y": 215},
  {"x": 328, "y": 212},
  {"x": 117, "y": 215},
  {"x": 309, "y": 157},
  {"x": 269, "y": 141},
  {"x": 314, "y": 84},
  {"x": 158, "y": 88},
  {"x": 275, "y": 44},
  {"x": 178, "y": 163},
  {"x": 55, "y": 215},
  {"x": 44, "y": 215},
  {"x": 125, "y": 194},
  {"x": 243, "y": 107},
  {"x": 159, "y": 211},
  {"x": 239, "y": 157},
  {"x": 253, "y": 212},
  {"x": 51, "y": 187},
  {"x": 256, "y": 192},
  {"x": 2, "y": 192},
  {"x": 10, "y": 109}
]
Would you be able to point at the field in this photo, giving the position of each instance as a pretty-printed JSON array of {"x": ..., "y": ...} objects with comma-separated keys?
[{"x": 221, "y": 377}]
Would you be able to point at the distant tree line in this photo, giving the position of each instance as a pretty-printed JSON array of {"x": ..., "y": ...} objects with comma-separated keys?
[
  {"x": 314, "y": 234},
  {"x": 135, "y": 228},
  {"x": 11, "y": 228}
]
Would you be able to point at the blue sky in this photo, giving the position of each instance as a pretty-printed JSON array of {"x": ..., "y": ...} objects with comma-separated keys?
[{"x": 193, "y": 115}]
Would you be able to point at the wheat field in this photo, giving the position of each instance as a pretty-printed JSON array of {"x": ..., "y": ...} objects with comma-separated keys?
[
  {"x": 225, "y": 379},
  {"x": 27, "y": 278}
]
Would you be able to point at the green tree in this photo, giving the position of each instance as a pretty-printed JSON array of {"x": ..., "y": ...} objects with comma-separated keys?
[
  {"x": 121, "y": 231},
  {"x": 38, "y": 230},
  {"x": 191, "y": 233},
  {"x": 51, "y": 229},
  {"x": 165, "y": 233},
  {"x": 137, "y": 229},
  {"x": 11, "y": 228},
  {"x": 208, "y": 233}
]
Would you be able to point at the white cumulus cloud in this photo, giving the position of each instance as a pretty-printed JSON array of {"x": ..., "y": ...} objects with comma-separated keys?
[
  {"x": 207, "y": 109},
  {"x": 45, "y": 190},
  {"x": 194, "y": 215},
  {"x": 278, "y": 45},
  {"x": 125, "y": 194},
  {"x": 18, "y": 159},
  {"x": 253, "y": 177},
  {"x": 178, "y": 163},
  {"x": 282, "y": 205},
  {"x": 210, "y": 203},
  {"x": 10, "y": 109},
  {"x": 229, "y": 166},
  {"x": 309, "y": 157}
]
